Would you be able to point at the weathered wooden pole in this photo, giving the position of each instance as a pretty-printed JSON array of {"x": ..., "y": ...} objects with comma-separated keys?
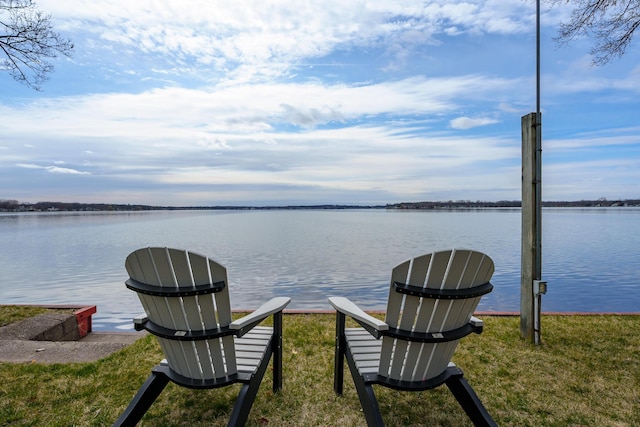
[{"x": 531, "y": 285}]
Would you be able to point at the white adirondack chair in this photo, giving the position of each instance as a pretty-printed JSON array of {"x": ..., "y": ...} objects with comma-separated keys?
[
  {"x": 186, "y": 301},
  {"x": 430, "y": 307}
]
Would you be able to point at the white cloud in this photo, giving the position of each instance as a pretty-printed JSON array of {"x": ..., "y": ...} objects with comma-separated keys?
[
  {"x": 172, "y": 113},
  {"x": 332, "y": 99},
  {"x": 246, "y": 39},
  {"x": 589, "y": 140},
  {"x": 468, "y": 122},
  {"x": 53, "y": 169}
]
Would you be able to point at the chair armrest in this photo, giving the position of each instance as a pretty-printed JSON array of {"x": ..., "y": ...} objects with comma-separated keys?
[
  {"x": 139, "y": 321},
  {"x": 345, "y": 306},
  {"x": 475, "y": 322},
  {"x": 244, "y": 324}
]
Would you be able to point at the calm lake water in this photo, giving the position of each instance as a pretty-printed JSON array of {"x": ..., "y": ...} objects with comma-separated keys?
[{"x": 590, "y": 256}]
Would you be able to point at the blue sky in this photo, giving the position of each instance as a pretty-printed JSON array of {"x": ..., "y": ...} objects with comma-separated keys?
[{"x": 347, "y": 102}]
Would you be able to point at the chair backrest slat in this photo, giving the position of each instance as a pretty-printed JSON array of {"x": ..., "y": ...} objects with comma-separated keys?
[
  {"x": 222, "y": 302},
  {"x": 394, "y": 312},
  {"x": 451, "y": 270},
  {"x": 165, "y": 267}
]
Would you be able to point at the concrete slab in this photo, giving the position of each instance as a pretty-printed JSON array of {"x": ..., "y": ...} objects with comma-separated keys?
[
  {"x": 54, "y": 338},
  {"x": 48, "y": 327},
  {"x": 93, "y": 347}
]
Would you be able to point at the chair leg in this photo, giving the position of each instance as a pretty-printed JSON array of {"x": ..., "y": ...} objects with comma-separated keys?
[
  {"x": 366, "y": 395},
  {"x": 276, "y": 345},
  {"x": 143, "y": 399},
  {"x": 369, "y": 404},
  {"x": 243, "y": 405},
  {"x": 470, "y": 402},
  {"x": 247, "y": 394},
  {"x": 338, "y": 372}
]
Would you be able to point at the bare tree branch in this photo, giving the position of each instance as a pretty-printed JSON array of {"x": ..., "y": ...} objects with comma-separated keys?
[
  {"x": 28, "y": 42},
  {"x": 611, "y": 23}
]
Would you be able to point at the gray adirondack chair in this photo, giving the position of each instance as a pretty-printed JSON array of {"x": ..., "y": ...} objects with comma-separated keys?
[
  {"x": 186, "y": 301},
  {"x": 430, "y": 307}
]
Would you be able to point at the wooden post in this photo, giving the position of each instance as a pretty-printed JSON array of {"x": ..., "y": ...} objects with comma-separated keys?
[{"x": 530, "y": 271}]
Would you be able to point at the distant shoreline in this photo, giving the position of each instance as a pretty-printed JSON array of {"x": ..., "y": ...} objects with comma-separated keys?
[{"x": 14, "y": 206}]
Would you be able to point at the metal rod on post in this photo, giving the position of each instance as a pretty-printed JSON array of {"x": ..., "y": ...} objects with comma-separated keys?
[
  {"x": 538, "y": 60},
  {"x": 538, "y": 184},
  {"x": 538, "y": 176}
]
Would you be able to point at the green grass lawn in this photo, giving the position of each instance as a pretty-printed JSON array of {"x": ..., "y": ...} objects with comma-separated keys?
[
  {"x": 586, "y": 373},
  {"x": 14, "y": 313}
]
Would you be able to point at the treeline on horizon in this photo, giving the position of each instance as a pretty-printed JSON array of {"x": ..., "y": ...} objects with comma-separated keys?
[
  {"x": 602, "y": 202},
  {"x": 15, "y": 206}
]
